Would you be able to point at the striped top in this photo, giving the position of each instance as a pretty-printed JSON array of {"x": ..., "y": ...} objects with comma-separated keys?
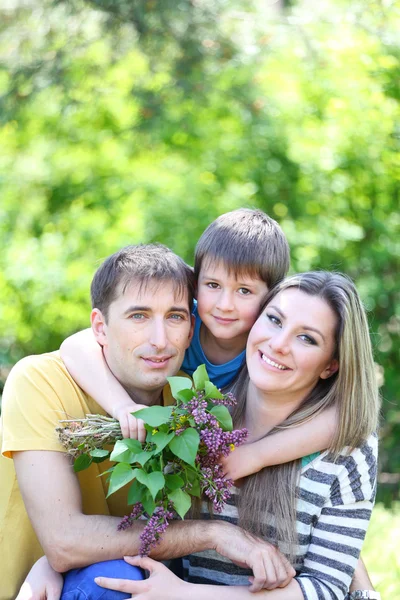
[{"x": 333, "y": 511}]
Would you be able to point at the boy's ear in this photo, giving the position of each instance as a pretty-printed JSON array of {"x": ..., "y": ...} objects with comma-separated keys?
[
  {"x": 99, "y": 326},
  {"x": 331, "y": 369}
]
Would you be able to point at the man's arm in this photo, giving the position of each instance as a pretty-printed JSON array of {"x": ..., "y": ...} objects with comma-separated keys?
[{"x": 71, "y": 539}]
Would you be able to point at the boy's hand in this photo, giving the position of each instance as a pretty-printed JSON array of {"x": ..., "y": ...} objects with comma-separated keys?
[
  {"x": 41, "y": 583},
  {"x": 241, "y": 462},
  {"x": 130, "y": 426}
]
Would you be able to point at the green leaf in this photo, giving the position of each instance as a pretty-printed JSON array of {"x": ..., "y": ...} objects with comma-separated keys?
[
  {"x": 121, "y": 451},
  {"x": 121, "y": 475},
  {"x": 186, "y": 445},
  {"x": 222, "y": 414},
  {"x": 161, "y": 439},
  {"x": 82, "y": 462},
  {"x": 135, "y": 493},
  {"x": 194, "y": 488},
  {"x": 181, "y": 501},
  {"x": 177, "y": 384},
  {"x": 148, "y": 503},
  {"x": 133, "y": 445},
  {"x": 99, "y": 453},
  {"x": 200, "y": 377},
  {"x": 212, "y": 391},
  {"x": 184, "y": 395},
  {"x": 154, "y": 415},
  {"x": 173, "y": 482},
  {"x": 153, "y": 481},
  {"x": 141, "y": 458}
]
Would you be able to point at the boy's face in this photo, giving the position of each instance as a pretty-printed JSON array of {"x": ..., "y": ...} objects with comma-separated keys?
[{"x": 228, "y": 305}]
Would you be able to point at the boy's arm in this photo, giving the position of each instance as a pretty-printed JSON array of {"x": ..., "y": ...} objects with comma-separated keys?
[
  {"x": 84, "y": 359},
  {"x": 283, "y": 446}
]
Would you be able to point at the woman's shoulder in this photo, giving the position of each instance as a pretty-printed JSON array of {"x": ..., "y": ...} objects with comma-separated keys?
[
  {"x": 367, "y": 452},
  {"x": 350, "y": 475}
]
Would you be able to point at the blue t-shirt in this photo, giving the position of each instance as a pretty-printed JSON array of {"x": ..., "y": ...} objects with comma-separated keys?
[{"x": 220, "y": 375}]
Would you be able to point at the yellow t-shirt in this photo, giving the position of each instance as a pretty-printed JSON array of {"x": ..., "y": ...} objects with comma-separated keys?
[{"x": 38, "y": 393}]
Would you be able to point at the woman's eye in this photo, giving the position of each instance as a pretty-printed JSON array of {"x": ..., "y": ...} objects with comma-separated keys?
[
  {"x": 275, "y": 320},
  {"x": 244, "y": 291},
  {"x": 308, "y": 339}
]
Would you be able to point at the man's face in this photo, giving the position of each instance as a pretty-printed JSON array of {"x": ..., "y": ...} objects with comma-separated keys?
[{"x": 147, "y": 332}]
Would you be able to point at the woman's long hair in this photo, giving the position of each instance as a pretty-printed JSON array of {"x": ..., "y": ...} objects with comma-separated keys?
[{"x": 352, "y": 390}]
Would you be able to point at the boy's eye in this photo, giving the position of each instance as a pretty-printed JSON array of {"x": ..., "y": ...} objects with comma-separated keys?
[
  {"x": 274, "y": 319},
  {"x": 308, "y": 339},
  {"x": 212, "y": 285},
  {"x": 244, "y": 291}
]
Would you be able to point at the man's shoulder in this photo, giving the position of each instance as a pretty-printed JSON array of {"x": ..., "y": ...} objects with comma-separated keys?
[
  {"x": 38, "y": 371},
  {"x": 36, "y": 363}
]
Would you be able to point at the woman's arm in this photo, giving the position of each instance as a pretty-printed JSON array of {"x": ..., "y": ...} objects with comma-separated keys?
[
  {"x": 283, "y": 446},
  {"x": 84, "y": 359},
  {"x": 339, "y": 532},
  {"x": 164, "y": 584}
]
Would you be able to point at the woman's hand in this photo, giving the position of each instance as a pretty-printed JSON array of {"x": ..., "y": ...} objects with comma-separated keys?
[
  {"x": 41, "y": 583},
  {"x": 162, "y": 583}
]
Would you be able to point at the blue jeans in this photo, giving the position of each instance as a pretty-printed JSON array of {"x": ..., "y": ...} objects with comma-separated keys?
[{"x": 79, "y": 583}]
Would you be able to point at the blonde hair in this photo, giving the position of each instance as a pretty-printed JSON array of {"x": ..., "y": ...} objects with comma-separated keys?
[{"x": 352, "y": 390}]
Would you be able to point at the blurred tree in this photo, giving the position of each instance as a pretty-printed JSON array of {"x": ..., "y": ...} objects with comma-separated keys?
[{"x": 130, "y": 120}]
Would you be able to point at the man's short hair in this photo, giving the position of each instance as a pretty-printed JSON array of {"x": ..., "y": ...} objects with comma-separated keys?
[
  {"x": 141, "y": 264},
  {"x": 247, "y": 242}
]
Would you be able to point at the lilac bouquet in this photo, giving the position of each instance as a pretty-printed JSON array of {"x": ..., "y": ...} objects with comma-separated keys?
[{"x": 179, "y": 460}]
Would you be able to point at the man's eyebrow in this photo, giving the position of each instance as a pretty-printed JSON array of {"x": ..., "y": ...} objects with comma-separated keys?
[
  {"x": 139, "y": 308},
  {"x": 305, "y": 327},
  {"x": 180, "y": 309}
]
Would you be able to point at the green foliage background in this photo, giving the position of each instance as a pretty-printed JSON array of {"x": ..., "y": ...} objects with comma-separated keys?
[{"x": 125, "y": 121}]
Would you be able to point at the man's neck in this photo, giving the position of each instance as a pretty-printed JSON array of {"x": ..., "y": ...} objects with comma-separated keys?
[{"x": 146, "y": 397}]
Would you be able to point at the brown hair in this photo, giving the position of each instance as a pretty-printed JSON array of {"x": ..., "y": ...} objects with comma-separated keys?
[
  {"x": 247, "y": 242},
  {"x": 353, "y": 390},
  {"x": 143, "y": 264}
]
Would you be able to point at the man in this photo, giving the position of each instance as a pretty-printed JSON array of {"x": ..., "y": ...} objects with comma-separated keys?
[
  {"x": 44, "y": 507},
  {"x": 137, "y": 326}
]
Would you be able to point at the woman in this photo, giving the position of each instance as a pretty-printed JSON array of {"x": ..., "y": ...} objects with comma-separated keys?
[{"x": 309, "y": 349}]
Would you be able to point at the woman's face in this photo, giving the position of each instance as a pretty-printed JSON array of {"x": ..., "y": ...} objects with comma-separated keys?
[{"x": 291, "y": 345}]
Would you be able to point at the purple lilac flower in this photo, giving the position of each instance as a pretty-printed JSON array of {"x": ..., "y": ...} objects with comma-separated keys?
[
  {"x": 156, "y": 526},
  {"x": 127, "y": 521}
]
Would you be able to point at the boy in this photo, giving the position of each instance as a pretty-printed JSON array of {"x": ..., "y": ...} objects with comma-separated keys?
[{"x": 238, "y": 258}]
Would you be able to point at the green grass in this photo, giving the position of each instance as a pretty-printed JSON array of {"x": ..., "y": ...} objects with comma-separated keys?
[{"x": 381, "y": 551}]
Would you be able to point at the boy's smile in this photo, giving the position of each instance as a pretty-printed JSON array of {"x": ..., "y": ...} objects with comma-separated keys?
[{"x": 228, "y": 305}]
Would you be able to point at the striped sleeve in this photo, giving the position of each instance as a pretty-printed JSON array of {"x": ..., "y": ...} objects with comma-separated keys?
[{"x": 338, "y": 533}]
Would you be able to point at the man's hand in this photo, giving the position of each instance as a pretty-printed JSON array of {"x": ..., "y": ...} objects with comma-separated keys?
[
  {"x": 161, "y": 583},
  {"x": 131, "y": 427},
  {"x": 41, "y": 583},
  {"x": 270, "y": 567}
]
